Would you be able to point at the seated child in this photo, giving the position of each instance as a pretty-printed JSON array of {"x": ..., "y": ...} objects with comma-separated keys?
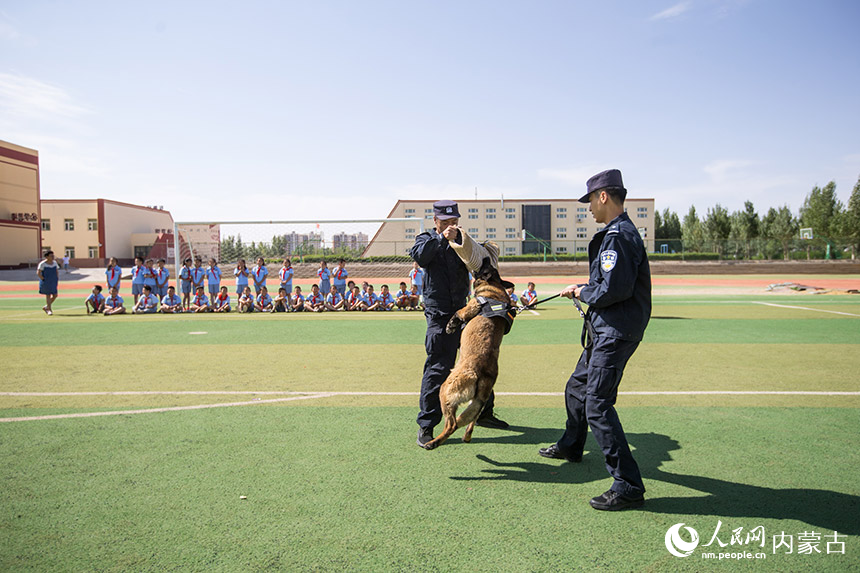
[
  {"x": 221, "y": 301},
  {"x": 415, "y": 299},
  {"x": 96, "y": 300},
  {"x": 334, "y": 300},
  {"x": 147, "y": 303},
  {"x": 264, "y": 301},
  {"x": 386, "y": 300},
  {"x": 297, "y": 301},
  {"x": 315, "y": 301},
  {"x": 246, "y": 301},
  {"x": 402, "y": 297},
  {"x": 514, "y": 298},
  {"x": 353, "y": 301},
  {"x": 113, "y": 303},
  {"x": 200, "y": 302},
  {"x": 370, "y": 301},
  {"x": 281, "y": 303},
  {"x": 171, "y": 303},
  {"x": 529, "y": 295}
]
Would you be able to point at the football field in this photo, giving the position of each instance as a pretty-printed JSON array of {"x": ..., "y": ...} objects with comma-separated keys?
[{"x": 287, "y": 442}]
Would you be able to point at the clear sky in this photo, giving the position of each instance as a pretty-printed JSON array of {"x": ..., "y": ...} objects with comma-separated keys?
[{"x": 335, "y": 109}]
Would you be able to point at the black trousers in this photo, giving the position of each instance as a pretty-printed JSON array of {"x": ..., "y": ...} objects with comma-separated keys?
[
  {"x": 441, "y": 350},
  {"x": 590, "y": 401}
]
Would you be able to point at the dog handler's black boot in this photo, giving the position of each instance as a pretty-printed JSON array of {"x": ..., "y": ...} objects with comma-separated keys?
[
  {"x": 424, "y": 435},
  {"x": 554, "y": 453},
  {"x": 490, "y": 421}
]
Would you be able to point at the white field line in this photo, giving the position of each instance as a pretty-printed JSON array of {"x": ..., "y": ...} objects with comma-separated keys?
[
  {"x": 329, "y": 394},
  {"x": 156, "y": 410},
  {"x": 805, "y": 308}
]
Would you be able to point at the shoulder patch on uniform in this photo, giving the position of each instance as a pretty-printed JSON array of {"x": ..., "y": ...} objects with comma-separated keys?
[{"x": 608, "y": 260}]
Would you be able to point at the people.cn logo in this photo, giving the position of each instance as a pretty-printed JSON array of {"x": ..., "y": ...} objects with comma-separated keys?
[{"x": 677, "y": 546}]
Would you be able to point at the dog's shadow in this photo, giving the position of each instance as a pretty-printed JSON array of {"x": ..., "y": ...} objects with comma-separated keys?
[{"x": 832, "y": 510}]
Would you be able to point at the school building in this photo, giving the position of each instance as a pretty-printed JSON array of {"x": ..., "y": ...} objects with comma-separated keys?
[
  {"x": 19, "y": 206},
  {"x": 518, "y": 226},
  {"x": 90, "y": 231}
]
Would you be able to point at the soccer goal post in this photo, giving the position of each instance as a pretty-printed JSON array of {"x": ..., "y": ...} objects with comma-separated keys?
[{"x": 376, "y": 246}]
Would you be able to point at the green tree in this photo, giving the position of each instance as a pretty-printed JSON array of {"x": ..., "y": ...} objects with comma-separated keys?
[
  {"x": 671, "y": 224},
  {"x": 780, "y": 225},
  {"x": 659, "y": 232},
  {"x": 745, "y": 227},
  {"x": 691, "y": 231},
  {"x": 717, "y": 226},
  {"x": 849, "y": 222},
  {"x": 820, "y": 211}
]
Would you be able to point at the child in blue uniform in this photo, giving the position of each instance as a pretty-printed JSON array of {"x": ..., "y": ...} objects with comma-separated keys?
[
  {"x": 334, "y": 300},
  {"x": 162, "y": 277},
  {"x": 185, "y": 283},
  {"x": 285, "y": 275},
  {"x": 241, "y": 273},
  {"x": 259, "y": 274},
  {"x": 297, "y": 301},
  {"x": 138, "y": 273},
  {"x": 96, "y": 300},
  {"x": 113, "y": 274},
  {"x": 171, "y": 303},
  {"x": 315, "y": 301},
  {"x": 114, "y": 303},
  {"x": 147, "y": 303},
  {"x": 324, "y": 275},
  {"x": 221, "y": 302},
  {"x": 339, "y": 276},
  {"x": 200, "y": 302},
  {"x": 264, "y": 301},
  {"x": 213, "y": 277}
]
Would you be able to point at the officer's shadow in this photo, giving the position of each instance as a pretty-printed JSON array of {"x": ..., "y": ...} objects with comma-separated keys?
[{"x": 825, "y": 509}]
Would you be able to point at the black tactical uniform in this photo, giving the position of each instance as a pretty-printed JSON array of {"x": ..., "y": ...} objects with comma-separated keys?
[{"x": 619, "y": 298}]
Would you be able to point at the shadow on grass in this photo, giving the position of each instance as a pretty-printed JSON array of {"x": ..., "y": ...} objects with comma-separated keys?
[{"x": 829, "y": 510}]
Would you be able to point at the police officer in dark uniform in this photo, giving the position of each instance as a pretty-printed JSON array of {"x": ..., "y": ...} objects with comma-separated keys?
[
  {"x": 446, "y": 286},
  {"x": 618, "y": 294}
]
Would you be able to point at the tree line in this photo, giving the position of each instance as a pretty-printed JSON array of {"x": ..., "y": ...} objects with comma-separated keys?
[{"x": 746, "y": 234}]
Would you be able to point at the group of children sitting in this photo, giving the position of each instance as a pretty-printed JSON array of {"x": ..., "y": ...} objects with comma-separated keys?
[{"x": 153, "y": 293}]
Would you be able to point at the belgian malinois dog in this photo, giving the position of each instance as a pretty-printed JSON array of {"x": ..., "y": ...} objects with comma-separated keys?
[{"x": 475, "y": 373}]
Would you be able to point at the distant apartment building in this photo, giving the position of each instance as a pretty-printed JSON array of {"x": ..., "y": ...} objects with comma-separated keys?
[
  {"x": 20, "y": 242},
  {"x": 90, "y": 231},
  {"x": 349, "y": 242},
  {"x": 552, "y": 226},
  {"x": 303, "y": 243}
]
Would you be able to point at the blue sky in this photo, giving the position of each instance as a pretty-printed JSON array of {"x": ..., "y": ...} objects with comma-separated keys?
[{"x": 323, "y": 109}]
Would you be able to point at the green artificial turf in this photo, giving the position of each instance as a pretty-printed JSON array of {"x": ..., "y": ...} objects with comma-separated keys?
[{"x": 335, "y": 489}]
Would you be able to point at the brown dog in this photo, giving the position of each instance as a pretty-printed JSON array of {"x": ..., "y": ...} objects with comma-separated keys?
[{"x": 475, "y": 373}]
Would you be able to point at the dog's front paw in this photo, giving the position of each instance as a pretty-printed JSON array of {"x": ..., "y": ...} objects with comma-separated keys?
[
  {"x": 431, "y": 445},
  {"x": 453, "y": 325}
]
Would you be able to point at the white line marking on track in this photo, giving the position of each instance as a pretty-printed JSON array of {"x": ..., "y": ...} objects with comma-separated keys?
[
  {"x": 198, "y": 332},
  {"x": 804, "y": 308},
  {"x": 157, "y": 410}
]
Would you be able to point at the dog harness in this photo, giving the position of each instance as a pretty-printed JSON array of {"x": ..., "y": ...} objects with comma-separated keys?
[{"x": 491, "y": 307}]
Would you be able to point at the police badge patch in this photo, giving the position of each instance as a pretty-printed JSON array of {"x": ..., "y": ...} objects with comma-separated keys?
[{"x": 608, "y": 260}]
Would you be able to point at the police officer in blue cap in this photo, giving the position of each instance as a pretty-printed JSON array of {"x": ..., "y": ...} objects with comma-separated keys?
[
  {"x": 618, "y": 294},
  {"x": 446, "y": 286}
]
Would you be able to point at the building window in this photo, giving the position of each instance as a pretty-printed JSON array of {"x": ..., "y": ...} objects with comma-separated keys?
[
  {"x": 510, "y": 235},
  {"x": 510, "y": 216},
  {"x": 491, "y": 215},
  {"x": 561, "y": 209},
  {"x": 561, "y": 215},
  {"x": 582, "y": 209},
  {"x": 510, "y": 210},
  {"x": 642, "y": 209},
  {"x": 93, "y": 252},
  {"x": 45, "y": 249},
  {"x": 561, "y": 249},
  {"x": 491, "y": 235},
  {"x": 491, "y": 209},
  {"x": 473, "y": 210},
  {"x": 92, "y": 225},
  {"x": 561, "y": 235},
  {"x": 428, "y": 211},
  {"x": 580, "y": 249},
  {"x": 510, "y": 250},
  {"x": 560, "y": 230},
  {"x": 70, "y": 252},
  {"x": 473, "y": 216},
  {"x": 473, "y": 230},
  {"x": 410, "y": 231},
  {"x": 642, "y": 215},
  {"x": 581, "y": 236},
  {"x": 409, "y": 211},
  {"x": 491, "y": 229},
  {"x": 46, "y": 224},
  {"x": 69, "y": 224}
]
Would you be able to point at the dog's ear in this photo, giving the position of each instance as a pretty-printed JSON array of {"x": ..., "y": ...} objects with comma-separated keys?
[
  {"x": 486, "y": 270},
  {"x": 507, "y": 284}
]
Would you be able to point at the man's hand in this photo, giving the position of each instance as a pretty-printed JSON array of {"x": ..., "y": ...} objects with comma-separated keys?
[
  {"x": 451, "y": 232},
  {"x": 572, "y": 291}
]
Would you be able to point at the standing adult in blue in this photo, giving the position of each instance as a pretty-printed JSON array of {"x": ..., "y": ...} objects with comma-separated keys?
[
  {"x": 618, "y": 294},
  {"x": 446, "y": 285},
  {"x": 49, "y": 278}
]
